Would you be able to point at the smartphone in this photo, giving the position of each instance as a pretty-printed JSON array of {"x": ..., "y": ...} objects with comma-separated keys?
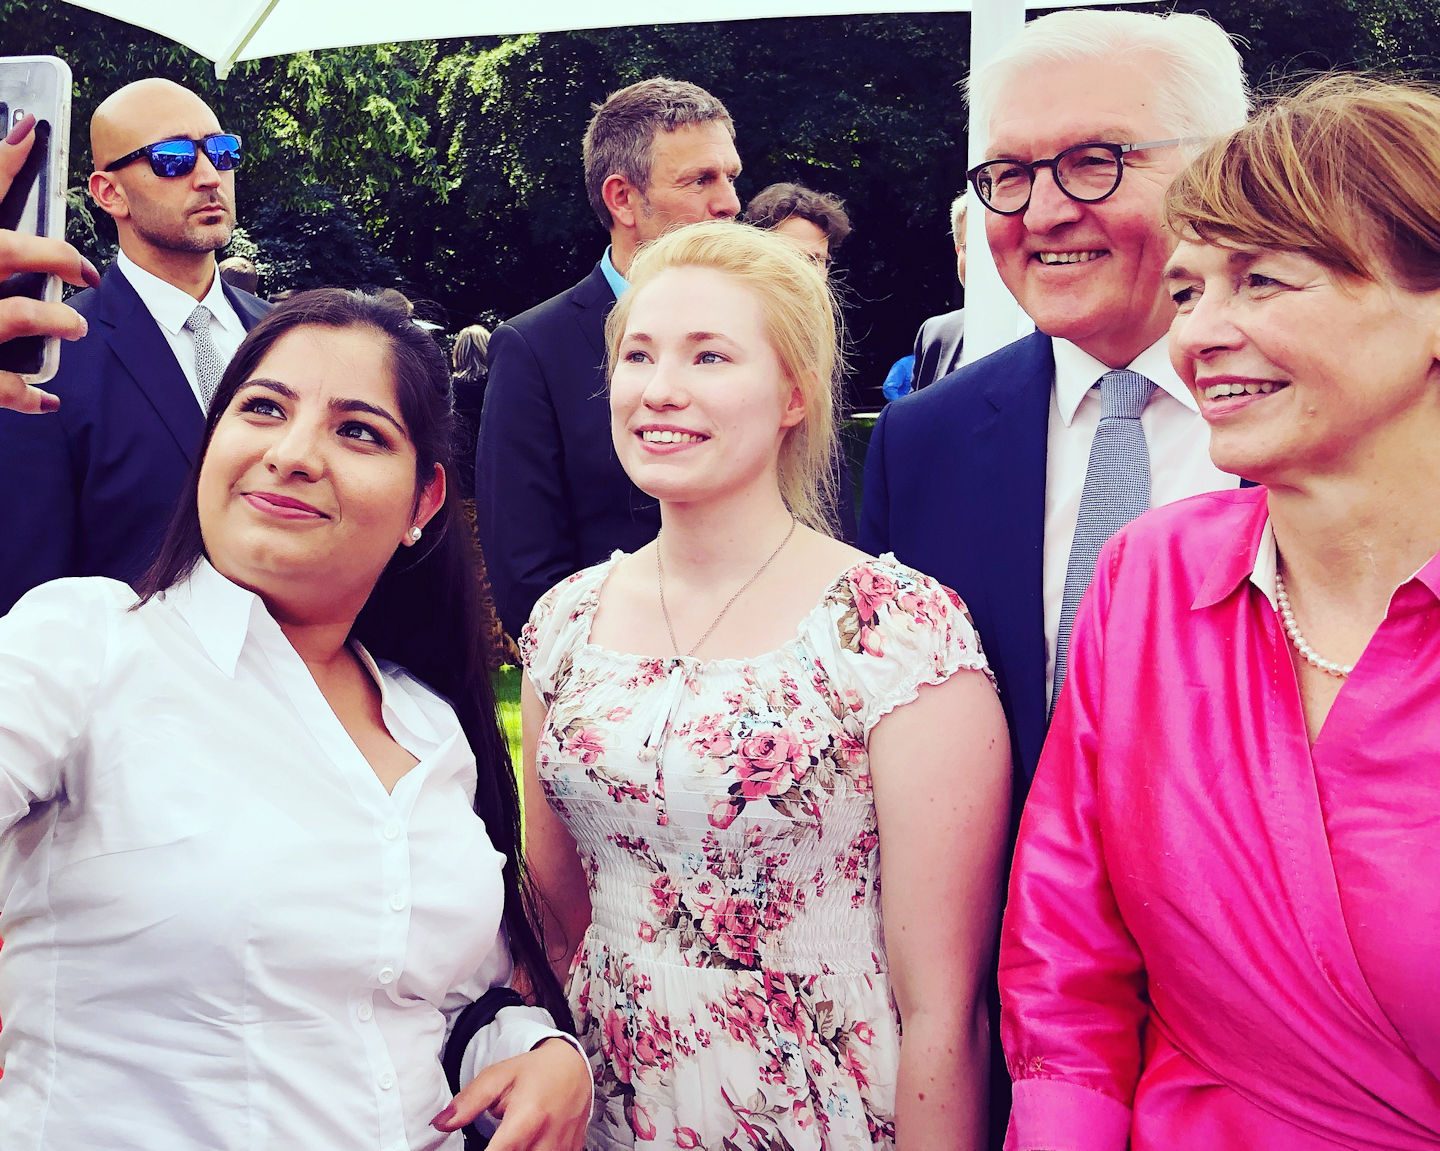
[{"x": 35, "y": 204}]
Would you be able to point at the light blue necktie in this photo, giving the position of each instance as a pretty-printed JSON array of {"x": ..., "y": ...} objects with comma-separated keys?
[{"x": 1117, "y": 489}]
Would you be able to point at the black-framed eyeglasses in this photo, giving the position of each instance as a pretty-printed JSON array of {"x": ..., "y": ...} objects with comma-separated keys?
[
  {"x": 170, "y": 158},
  {"x": 1087, "y": 173}
]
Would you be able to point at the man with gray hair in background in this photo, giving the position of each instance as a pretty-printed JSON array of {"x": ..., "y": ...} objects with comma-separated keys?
[
  {"x": 550, "y": 495},
  {"x": 941, "y": 338}
]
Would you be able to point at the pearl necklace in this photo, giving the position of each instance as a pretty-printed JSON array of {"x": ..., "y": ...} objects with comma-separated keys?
[{"x": 1292, "y": 629}]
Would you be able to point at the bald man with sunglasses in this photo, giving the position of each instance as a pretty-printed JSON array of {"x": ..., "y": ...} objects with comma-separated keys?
[{"x": 94, "y": 484}]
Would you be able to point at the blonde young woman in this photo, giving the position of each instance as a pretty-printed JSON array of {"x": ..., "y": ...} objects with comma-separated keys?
[{"x": 730, "y": 728}]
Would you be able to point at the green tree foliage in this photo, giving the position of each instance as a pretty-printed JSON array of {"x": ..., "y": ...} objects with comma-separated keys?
[
  {"x": 327, "y": 135},
  {"x": 453, "y": 168}
]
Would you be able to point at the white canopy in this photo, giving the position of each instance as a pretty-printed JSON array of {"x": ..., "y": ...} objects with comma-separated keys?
[{"x": 234, "y": 30}]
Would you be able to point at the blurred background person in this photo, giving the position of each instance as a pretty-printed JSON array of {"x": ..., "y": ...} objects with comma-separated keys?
[
  {"x": 815, "y": 221},
  {"x": 239, "y": 272},
  {"x": 731, "y": 726},
  {"x": 470, "y": 369},
  {"x": 1224, "y": 917},
  {"x": 941, "y": 338},
  {"x": 900, "y": 379}
]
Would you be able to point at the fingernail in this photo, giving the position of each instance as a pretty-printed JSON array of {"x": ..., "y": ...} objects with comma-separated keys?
[
  {"x": 444, "y": 1117},
  {"x": 49, "y": 403},
  {"x": 21, "y": 130},
  {"x": 89, "y": 273}
]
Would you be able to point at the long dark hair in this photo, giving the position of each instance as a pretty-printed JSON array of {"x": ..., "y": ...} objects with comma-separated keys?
[{"x": 426, "y": 612}]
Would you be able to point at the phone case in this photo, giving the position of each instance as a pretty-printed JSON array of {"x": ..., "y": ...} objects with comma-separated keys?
[{"x": 35, "y": 204}]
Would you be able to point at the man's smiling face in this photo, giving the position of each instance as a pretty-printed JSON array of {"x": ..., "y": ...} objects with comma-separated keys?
[{"x": 1088, "y": 273}]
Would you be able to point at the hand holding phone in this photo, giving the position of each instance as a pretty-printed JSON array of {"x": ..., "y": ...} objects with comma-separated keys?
[{"x": 32, "y": 260}]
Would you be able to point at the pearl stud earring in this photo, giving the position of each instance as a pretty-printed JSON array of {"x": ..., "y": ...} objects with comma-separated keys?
[{"x": 414, "y": 534}]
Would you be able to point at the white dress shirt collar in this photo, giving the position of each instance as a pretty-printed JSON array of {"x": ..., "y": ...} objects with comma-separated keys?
[
  {"x": 223, "y": 615},
  {"x": 171, "y": 307},
  {"x": 1076, "y": 372},
  {"x": 1267, "y": 563},
  {"x": 219, "y": 612}
]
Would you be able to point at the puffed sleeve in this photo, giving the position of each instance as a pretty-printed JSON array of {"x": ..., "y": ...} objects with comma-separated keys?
[
  {"x": 53, "y": 646},
  {"x": 559, "y": 623},
  {"x": 1072, "y": 981},
  {"x": 894, "y": 631}
]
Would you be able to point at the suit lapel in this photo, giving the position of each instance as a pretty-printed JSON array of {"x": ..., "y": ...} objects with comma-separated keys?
[
  {"x": 1009, "y": 445},
  {"x": 250, "y": 309},
  {"x": 140, "y": 346},
  {"x": 594, "y": 299}
]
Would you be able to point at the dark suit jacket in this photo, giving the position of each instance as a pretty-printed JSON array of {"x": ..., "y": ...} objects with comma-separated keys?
[
  {"x": 937, "y": 347},
  {"x": 92, "y": 487},
  {"x": 955, "y": 486},
  {"x": 550, "y": 495}
]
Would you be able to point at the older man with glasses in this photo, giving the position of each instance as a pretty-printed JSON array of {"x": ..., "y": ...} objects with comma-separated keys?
[
  {"x": 1004, "y": 478},
  {"x": 92, "y": 486}
]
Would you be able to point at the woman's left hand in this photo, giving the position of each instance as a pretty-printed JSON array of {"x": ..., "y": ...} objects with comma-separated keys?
[{"x": 542, "y": 1099}]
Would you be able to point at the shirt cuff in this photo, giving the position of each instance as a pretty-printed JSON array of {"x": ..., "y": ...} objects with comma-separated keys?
[
  {"x": 515, "y": 1031},
  {"x": 1054, "y": 1115}
]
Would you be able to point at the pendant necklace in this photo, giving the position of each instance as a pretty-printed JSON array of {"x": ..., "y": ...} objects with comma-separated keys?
[{"x": 714, "y": 623}]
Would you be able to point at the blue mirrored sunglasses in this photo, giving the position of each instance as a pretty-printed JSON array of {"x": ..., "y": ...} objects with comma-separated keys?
[{"x": 170, "y": 158}]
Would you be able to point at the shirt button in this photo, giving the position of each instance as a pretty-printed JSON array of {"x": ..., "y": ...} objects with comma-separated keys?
[
  {"x": 392, "y": 831},
  {"x": 387, "y": 1081},
  {"x": 366, "y": 1012},
  {"x": 387, "y": 975},
  {"x": 397, "y": 902}
]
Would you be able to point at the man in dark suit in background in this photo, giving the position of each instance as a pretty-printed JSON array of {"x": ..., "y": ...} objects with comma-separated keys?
[
  {"x": 550, "y": 496},
  {"x": 941, "y": 338},
  {"x": 93, "y": 485},
  {"x": 984, "y": 479}
]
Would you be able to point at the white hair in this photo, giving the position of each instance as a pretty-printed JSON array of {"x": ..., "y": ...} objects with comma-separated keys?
[
  {"x": 1201, "y": 82},
  {"x": 958, "y": 207}
]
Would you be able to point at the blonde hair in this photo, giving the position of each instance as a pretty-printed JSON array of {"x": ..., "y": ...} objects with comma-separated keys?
[
  {"x": 802, "y": 322},
  {"x": 1344, "y": 171}
]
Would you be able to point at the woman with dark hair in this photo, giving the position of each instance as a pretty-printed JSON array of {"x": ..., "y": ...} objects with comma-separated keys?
[{"x": 259, "y": 831}]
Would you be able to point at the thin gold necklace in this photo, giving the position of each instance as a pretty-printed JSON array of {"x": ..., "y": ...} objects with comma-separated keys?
[{"x": 714, "y": 623}]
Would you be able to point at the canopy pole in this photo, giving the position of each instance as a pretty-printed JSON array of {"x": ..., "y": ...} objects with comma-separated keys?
[
  {"x": 992, "y": 317},
  {"x": 226, "y": 60}
]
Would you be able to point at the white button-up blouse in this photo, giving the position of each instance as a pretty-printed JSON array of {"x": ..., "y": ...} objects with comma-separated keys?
[{"x": 220, "y": 931}]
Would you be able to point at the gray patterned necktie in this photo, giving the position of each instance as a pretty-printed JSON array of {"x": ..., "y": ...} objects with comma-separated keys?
[
  {"x": 208, "y": 368},
  {"x": 1117, "y": 489}
]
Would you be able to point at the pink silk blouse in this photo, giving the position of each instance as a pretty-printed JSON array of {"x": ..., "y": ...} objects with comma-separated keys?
[{"x": 1219, "y": 937}]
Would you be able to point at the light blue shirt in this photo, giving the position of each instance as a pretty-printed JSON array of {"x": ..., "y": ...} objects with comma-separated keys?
[{"x": 618, "y": 283}]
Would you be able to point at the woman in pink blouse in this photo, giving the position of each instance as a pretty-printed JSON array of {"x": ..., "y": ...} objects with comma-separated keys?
[{"x": 1224, "y": 920}]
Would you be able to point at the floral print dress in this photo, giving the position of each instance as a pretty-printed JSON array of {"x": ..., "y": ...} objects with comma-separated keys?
[{"x": 732, "y": 989}]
